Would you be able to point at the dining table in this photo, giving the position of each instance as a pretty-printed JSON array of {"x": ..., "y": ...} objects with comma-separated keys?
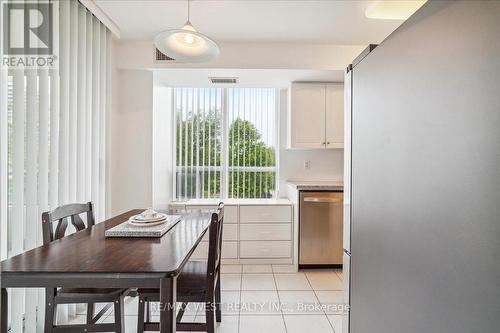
[{"x": 88, "y": 259}]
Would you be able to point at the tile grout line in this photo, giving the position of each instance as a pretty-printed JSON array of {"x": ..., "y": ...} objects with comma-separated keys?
[
  {"x": 239, "y": 310},
  {"x": 279, "y": 301},
  {"x": 324, "y": 312}
]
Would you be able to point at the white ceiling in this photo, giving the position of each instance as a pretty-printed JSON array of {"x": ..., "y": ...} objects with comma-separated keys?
[
  {"x": 251, "y": 78},
  {"x": 337, "y": 22}
]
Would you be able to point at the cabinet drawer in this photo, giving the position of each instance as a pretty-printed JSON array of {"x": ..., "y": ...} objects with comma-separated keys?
[
  {"x": 229, "y": 232},
  {"x": 265, "y": 249},
  {"x": 230, "y": 212},
  {"x": 261, "y": 214},
  {"x": 229, "y": 250},
  {"x": 271, "y": 231}
]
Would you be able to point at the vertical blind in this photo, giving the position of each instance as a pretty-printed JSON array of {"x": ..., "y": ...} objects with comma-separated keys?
[
  {"x": 52, "y": 149},
  {"x": 226, "y": 143}
]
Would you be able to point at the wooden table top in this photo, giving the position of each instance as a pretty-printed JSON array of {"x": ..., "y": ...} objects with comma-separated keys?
[{"x": 88, "y": 251}]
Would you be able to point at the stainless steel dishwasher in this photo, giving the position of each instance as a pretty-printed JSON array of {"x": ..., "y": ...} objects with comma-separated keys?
[{"x": 320, "y": 238}]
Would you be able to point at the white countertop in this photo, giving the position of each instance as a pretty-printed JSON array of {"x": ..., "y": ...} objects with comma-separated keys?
[{"x": 317, "y": 184}]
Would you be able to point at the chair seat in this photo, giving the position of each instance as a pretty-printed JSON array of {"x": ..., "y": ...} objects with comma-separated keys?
[
  {"x": 89, "y": 292},
  {"x": 191, "y": 281}
]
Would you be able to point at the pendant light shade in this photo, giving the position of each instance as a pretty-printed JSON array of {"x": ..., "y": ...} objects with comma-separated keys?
[{"x": 186, "y": 44}]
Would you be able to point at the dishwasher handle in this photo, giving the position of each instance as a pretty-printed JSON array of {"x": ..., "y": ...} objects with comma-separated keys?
[{"x": 328, "y": 200}]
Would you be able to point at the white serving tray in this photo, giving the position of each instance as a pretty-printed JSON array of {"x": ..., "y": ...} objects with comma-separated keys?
[{"x": 126, "y": 229}]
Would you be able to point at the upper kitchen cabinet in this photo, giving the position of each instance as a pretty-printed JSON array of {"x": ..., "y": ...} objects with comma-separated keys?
[
  {"x": 334, "y": 125},
  {"x": 316, "y": 116}
]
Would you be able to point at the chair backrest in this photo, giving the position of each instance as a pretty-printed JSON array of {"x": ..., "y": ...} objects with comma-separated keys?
[
  {"x": 62, "y": 214},
  {"x": 215, "y": 247}
]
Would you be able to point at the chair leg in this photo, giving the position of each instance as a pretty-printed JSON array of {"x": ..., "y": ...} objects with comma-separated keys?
[
  {"x": 218, "y": 313},
  {"x": 50, "y": 310},
  {"x": 140, "y": 315},
  {"x": 209, "y": 314},
  {"x": 90, "y": 312},
  {"x": 119, "y": 315}
]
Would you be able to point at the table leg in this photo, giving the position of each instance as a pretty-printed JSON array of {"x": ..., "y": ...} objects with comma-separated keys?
[
  {"x": 168, "y": 291},
  {"x": 4, "y": 311}
]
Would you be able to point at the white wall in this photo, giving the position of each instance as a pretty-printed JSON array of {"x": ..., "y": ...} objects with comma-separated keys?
[
  {"x": 162, "y": 147},
  {"x": 327, "y": 164},
  {"x": 139, "y": 54},
  {"x": 131, "y": 141}
]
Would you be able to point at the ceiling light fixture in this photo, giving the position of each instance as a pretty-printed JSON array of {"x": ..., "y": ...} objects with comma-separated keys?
[
  {"x": 393, "y": 10},
  {"x": 186, "y": 44}
]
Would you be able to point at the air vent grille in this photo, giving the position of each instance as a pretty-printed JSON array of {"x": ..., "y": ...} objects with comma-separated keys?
[
  {"x": 161, "y": 57},
  {"x": 223, "y": 80}
]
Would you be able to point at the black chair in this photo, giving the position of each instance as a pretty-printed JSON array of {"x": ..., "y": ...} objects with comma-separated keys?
[
  {"x": 56, "y": 296},
  {"x": 199, "y": 282}
]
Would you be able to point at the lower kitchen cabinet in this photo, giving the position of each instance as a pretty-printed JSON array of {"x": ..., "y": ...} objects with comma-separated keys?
[{"x": 259, "y": 231}]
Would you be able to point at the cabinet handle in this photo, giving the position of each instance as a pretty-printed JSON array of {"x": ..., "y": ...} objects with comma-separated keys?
[
  {"x": 328, "y": 143},
  {"x": 329, "y": 200},
  {"x": 324, "y": 143}
]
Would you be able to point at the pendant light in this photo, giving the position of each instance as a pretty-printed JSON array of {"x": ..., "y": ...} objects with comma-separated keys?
[{"x": 186, "y": 44}]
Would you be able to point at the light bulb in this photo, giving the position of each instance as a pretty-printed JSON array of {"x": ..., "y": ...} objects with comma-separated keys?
[{"x": 188, "y": 38}]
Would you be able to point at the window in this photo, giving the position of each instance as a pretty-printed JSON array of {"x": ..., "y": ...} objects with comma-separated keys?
[{"x": 226, "y": 143}]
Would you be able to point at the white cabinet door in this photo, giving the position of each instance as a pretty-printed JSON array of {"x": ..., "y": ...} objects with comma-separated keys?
[
  {"x": 334, "y": 126},
  {"x": 308, "y": 105}
]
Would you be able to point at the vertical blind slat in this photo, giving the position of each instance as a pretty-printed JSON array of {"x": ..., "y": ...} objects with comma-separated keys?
[
  {"x": 54, "y": 138},
  {"x": 198, "y": 101},
  {"x": 81, "y": 105},
  {"x": 64, "y": 65},
  {"x": 65, "y": 146},
  {"x": 17, "y": 215},
  {"x": 102, "y": 125},
  {"x": 73, "y": 102},
  {"x": 96, "y": 49},
  {"x": 4, "y": 155},
  {"x": 192, "y": 141},
  {"x": 88, "y": 103},
  {"x": 43, "y": 177},
  {"x": 210, "y": 110},
  {"x": 185, "y": 100},
  {"x": 31, "y": 200},
  {"x": 106, "y": 199},
  {"x": 43, "y": 151}
]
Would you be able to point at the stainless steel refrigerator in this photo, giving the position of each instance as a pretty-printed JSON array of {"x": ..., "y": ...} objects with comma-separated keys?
[{"x": 422, "y": 187}]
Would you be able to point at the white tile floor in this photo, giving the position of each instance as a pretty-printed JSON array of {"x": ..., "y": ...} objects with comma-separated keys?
[{"x": 265, "y": 299}]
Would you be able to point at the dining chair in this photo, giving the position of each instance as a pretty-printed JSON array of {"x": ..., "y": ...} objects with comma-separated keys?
[
  {"x": 199, "y": 282},
  {"x": 90, "y": 296}
]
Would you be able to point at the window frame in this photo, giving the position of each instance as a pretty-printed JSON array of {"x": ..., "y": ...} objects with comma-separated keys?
[{"x": 224, "y": 183}]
